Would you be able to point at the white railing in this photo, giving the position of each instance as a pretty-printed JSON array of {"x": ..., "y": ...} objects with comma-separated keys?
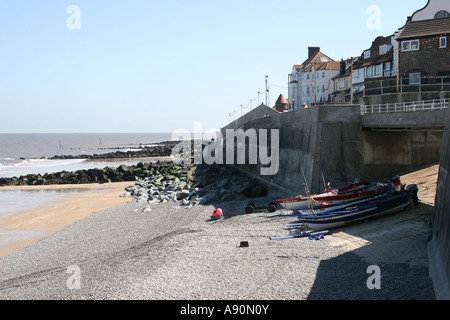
[{"x": 425, "y": 105}]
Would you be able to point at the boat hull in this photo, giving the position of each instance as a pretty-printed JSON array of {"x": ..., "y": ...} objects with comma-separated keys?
[
  {"x": 374, "y": 208},
  {"x": 329, "y": 198}
]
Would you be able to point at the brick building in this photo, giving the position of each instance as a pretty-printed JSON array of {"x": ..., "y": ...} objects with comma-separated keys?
[{"x": 424, "y": 53}]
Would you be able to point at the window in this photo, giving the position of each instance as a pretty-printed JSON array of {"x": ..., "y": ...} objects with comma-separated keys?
[
  {"x": 307, "y": 77},
  {"x": 387, "y": 69},
  {"x": 323, "y": 74},
  {"x": 367, "y": 54},
  {"x": 443, "y": 42},
  {"x": 414, "y": 78},
  {"x": 410, "y": 45},
  {"x": 383, "y": 49},
  {"x": 378, "y": 69},
  {"x": 369, "y": 72},
  {"x": 361, "y": 73},
  {"x": 341, "y": 84},
  {"x": 442, "y": 14}
]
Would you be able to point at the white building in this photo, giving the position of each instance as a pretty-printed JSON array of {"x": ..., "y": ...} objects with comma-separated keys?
[{"x": 310, "y": 82}]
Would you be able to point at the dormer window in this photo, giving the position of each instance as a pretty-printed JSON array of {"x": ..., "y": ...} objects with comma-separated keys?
[
  {"x": 367, "y": 54},
  {"x": 384, "y": 49}
]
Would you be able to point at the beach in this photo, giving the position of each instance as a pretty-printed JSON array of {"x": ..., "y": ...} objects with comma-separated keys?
[
  {"x": 28, "y": 226},
  {"x": 130, "y": 250}
]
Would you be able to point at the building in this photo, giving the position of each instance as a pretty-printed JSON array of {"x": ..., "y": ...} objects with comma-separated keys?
[
  {"x": 424, "y": 55},
  {"x": 424, "y": 35},
  {"x": 281, "y": 105},
  {"x": 342, "y": 83},
  {"x": 374, "y": 72},
  {"x": 310, "y": 82}
]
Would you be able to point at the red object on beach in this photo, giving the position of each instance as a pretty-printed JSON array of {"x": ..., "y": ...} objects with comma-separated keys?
[{"x": 217, "y": 214}]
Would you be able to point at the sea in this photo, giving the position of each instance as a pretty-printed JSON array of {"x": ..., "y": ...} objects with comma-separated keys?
[{"x": 22, "y": 154}]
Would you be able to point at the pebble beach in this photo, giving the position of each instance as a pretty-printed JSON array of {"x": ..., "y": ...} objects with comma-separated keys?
[{"x": 165, "y": 251}]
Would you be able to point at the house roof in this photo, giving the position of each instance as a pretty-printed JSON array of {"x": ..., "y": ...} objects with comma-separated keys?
[
  {"x": 332, "y": 65},
  {"x": 375, "y": 56},
  {"x": 349, "y": 66},
  {"x": 423, "y": 28},
  {"x": 379, "y": 58},
  {"x": 317, "y": 58}
]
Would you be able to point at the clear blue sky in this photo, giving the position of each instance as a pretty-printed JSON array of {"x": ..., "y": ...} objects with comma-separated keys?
[{"x": 157, "y": 66}]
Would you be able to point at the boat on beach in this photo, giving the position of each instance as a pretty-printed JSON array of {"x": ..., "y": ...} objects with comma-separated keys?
[
  {"x": 352, "y": 192},
  {"x": 327, "y": 207},
  {"x": 389, "y": 202}
]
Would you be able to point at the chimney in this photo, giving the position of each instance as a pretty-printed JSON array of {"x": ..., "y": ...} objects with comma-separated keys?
[
  {"x": 313, "y": 51},
  {"x": 342, "y": 70}
]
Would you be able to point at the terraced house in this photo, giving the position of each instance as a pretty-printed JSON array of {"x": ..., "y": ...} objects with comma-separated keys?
[
  {"x": 310, "y": 82},
  {"x": 424, "y": 55},
  {"x": 411, "y": 65}
]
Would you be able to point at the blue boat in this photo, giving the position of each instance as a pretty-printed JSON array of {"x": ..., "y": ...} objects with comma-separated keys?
[{"x": 390, "y": 202}]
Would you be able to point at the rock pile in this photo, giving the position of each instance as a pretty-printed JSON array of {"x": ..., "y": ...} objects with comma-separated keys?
[
  {"x": 163, "y": 149},
  {"x": 105, "y": 175},
  {"x": 196, "y": 185},
  {"x": 162, "y": 181}
]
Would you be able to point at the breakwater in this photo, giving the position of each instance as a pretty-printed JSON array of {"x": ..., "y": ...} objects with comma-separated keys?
[
  {"x": 160, "y": 181},
  {"x": 163, "y": 149},
  {"x": 97, "y": 175}
]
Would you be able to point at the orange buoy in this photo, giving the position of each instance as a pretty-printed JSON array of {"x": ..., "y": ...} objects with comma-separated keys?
[
  {"x": 323, "y": 204},
  {"x": 217, "y": 214}
]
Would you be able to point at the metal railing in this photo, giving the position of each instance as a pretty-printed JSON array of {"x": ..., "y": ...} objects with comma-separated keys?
[{"x": 425, "y": 105}]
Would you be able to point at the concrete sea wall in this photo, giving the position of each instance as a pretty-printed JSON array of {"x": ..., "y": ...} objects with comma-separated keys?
[
  {"x": 338, "y": 143},
  {"x": 439, "y": 247},
  {"x": 318, "y": 140}
]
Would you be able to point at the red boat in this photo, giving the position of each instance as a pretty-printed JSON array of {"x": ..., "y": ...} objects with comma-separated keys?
[{"x": 349, "y": 193}]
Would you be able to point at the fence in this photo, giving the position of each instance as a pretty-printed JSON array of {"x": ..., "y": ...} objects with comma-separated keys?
[
  {"x": 390, "y": 85},
  {"x": 425, "y": 105},
  {"x": 406, "y": 84}
]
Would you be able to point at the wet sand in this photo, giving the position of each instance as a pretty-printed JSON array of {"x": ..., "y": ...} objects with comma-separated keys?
[{"x": 20, "y": 229}]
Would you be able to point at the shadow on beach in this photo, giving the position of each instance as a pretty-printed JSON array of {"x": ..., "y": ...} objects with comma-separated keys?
[{"x": 397, "y": 244}]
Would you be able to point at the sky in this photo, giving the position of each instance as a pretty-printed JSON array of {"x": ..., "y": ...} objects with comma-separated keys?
[{"x": 100, "y": 66}]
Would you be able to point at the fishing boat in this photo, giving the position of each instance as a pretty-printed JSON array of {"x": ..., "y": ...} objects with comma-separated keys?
[
  {"x": 389, "y": 202},
  {"x": 327, "y": 207},
  {"x": 330, "y": 197},
  {"x": 352, "y": 192}
]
